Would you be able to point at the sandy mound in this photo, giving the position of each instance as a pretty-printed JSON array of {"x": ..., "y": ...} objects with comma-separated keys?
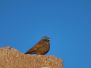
[{"x": 12, "y": 58}]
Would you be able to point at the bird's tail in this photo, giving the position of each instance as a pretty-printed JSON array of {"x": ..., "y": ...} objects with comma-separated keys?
[
  {"x": 30, "y": 52},
  {"x": 26, "y": 53}
]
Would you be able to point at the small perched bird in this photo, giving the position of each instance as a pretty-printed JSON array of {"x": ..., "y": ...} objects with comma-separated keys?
[{"x": 41, "y": 48}]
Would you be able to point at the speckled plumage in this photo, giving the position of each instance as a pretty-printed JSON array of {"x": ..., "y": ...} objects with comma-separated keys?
[{"x": 41, "y": 48}]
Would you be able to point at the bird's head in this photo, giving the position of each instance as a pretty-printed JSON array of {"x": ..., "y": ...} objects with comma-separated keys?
[{"x": 46, "y": 38}]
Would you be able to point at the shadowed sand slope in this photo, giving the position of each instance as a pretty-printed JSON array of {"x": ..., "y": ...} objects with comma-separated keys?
[{"x": 12, "y": 58}]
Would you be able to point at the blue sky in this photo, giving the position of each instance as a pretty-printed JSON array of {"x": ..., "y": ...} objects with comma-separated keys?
[{"x": 67, "y": 23}]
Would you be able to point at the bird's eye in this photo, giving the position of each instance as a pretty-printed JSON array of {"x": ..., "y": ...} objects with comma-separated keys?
[{"x": 47, "y": 40}]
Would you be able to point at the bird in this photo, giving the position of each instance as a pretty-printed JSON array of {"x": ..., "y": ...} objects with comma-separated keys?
[{"x": 41, "y": 47}]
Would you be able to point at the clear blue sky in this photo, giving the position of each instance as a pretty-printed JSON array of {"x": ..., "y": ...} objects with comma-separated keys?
[{"x": 67, "y": 23}]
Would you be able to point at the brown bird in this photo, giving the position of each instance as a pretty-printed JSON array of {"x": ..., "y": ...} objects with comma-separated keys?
[{"x": 41, "y": 48}]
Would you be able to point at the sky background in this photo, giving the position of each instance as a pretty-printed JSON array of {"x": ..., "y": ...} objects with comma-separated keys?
[{"x": 67, "y": 23}]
